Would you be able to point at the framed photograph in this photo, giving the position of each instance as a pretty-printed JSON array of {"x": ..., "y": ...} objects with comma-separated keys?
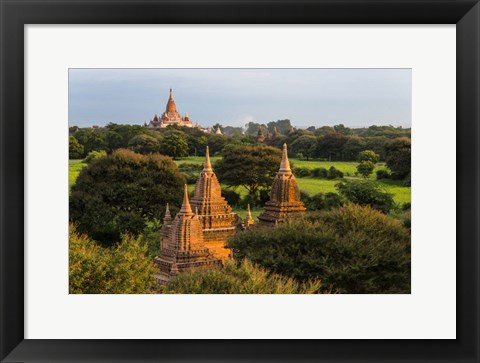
[{"x": 240, "y": 181}]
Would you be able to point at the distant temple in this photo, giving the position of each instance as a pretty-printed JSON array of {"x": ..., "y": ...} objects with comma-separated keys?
[
  {"x": 284, "y": 200},
  {"x": 260, "y": 137},
  {"x": 170, "y": 117}
]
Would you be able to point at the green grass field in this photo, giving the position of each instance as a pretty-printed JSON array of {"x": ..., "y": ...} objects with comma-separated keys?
[
  {"x": 74, "y": 168},
  {"x": 310, "y": 186}
]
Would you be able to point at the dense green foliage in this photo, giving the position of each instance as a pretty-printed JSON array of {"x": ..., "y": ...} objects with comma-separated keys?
[
  {"x": 352, "y": 249},
  {"x": 94, "y": 155},
  {"x": 253, "y": 167},
  {"x": 174, "y": 145},
  {"x": 322, "y": 201},
  {"x": 337, "y": 143},
  {"x": 365, "y": 192},
  {"x": 120, "y": 193},
  {"x": 144, "y": 144},
  {"x": 121, "y": 269},
  {"x": 398, "y": 157},
  {"x": 241, "y": 278},
  {"x": 75, "y": 149}
]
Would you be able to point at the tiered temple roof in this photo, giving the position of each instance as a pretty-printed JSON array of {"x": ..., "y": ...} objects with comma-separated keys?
[
  {"x": 218, "y": 221},
  {"x": 182, "y": 244},
  {"x": 284, "y": 200},
  {"x": 170, "y": 117}
]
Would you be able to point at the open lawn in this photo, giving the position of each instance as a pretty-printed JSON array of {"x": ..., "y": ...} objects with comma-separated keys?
[
  {"x": 74, "y": 168},
  {"x": 308, "y": 185}
]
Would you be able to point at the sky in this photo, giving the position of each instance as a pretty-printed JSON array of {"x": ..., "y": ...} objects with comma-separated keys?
[{"x": 234, "y": 97}]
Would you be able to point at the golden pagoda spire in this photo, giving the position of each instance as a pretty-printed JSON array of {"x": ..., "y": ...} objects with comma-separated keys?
[
  {"x": 249, "y": 214},
  {"x": 248, "y": 218},
  {"x": 285, "y": 164},
  {"x": 186, "y": 209},
  {"x": 207, "y": 166}
]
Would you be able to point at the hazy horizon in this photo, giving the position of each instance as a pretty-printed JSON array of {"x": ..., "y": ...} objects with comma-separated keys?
[{"x": 234, "y": 97}]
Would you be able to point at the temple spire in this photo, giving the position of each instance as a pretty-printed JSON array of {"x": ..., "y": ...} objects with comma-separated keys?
[
  {"x": 186, "y": 209},
  {"x": 168, "y": 216},
  {"x": 285, "y": 164},
  {"x": 248, "y": 218},
  {"x": 207, "y": 166}
]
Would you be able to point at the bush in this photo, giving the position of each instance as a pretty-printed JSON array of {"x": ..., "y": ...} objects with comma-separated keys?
[
  {"x": 75, "y": 149},
  {"x": 94, "y": 155},
  {"x": 243, "y": 278},
  {"x": 366, "y": 193},
  {"x": 302, "y": 172},
  {"x": 319, "y": 172},
  {"x": 123, "y": 269},
  {"x": 365, "y": 168},
  {"x": 383, "y": 174},
  {"x": 407, "y": 182},
  {"x": 122, "y": 192},
  {"x": 352, "y": 249},
  {"x": 334, "y": 173},
  {"x": 232, "y": 197},
  {"x": 255, "y": 200},
  {"x": 322, "y": 201}
]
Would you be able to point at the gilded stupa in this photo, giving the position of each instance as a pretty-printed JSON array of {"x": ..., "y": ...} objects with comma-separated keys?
[
  {"x": 170, "y": 117},
  {"x": 182, "y": 244},
  {"x": 215, "y": 215},
  {"x": 284, "y": 200}
]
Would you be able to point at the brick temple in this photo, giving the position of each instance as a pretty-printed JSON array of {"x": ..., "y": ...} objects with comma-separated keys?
[
  {"x": 218, "y": 221},
  {"x": 170, "y": 117},
  {"x": 284, "y": 200},
  {"x": 198, "y": 240},
  {"x": 182, "y": 244}
]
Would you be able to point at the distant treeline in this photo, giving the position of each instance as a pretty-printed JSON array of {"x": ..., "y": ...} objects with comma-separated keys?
[{"x": 337, "y": 143}]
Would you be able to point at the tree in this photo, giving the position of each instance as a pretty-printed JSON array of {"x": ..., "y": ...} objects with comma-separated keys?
[
  {"x": 75, "y": 149},
  {"x": 353, "y": 147},
  {"x": 241, "y": 278},
  {"x": 123, "y": 269},
  {"x": 365, "y": 168},
  {"x": 283, "y": 126},
  {"x": 253, "y": 167},
  {"x": 305, "y": 145},
  {"x": 367, "y": 193},
  {"x": 216, "y": 143},
  {"x": 174, "y": 145},
  {"x": 398, "y": 157},
  {"x": 122, "y": 192},
  {"x": 368, "y": 155},
  {"x": 251, "y": 128},
  {"x": 368, "y": 159},
  {"x": 118, "y": 136},
  {"x": 352, "y": 250},
  {"x": 144, "y": 144},
  {"x": 91, "y": 139},
  {"x": 330, "y": 146}
]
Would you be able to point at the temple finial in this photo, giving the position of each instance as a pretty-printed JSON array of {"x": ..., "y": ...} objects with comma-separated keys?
[
  {"x": 248, "y": 218},
  {"x": 285, "y": 164},
  {"x": 168, "y": 216},
  {"x": 186, "y": 208},
  {"x": 207, "y": 166}
]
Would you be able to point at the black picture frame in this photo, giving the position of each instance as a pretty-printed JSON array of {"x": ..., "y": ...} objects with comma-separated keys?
[{"x": 15, "y": 14}]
